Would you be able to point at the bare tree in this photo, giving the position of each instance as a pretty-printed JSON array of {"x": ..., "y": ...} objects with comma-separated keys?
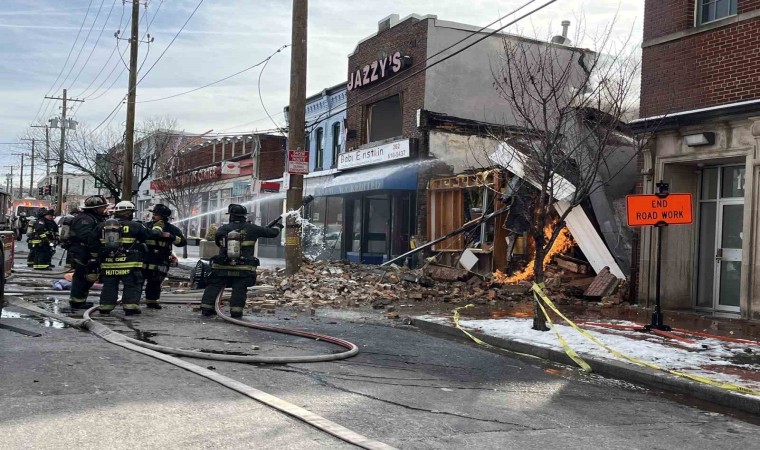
[
  {"x": 101, "y": 154},
  {"x": 570, "y": 105},
  {"x": 178, "y": 183}
]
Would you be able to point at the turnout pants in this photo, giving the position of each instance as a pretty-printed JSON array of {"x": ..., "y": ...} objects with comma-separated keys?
[
  {"x": 80, "y": 286},
  {"x": 154, "y": 276},
  {"x": 130, "y": 299},
  {"x": 32, "y": 243},
  {"x": 43, "y": 256},
  {"x": 238, "y": 281}
]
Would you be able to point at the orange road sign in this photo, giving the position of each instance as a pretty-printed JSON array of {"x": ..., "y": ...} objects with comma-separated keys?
[{"x": 649, "y": 210}]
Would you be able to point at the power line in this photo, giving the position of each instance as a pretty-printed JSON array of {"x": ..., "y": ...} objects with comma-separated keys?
[
  {"x": 52, "y": 88},
  {"x": 264, "y": 61},
  {"x": 261, "y": 99},
  {"x": 423, "y": 69},
  {"x": 171, "y": 42},
  {"x": 84, "y": 43},
  {"x": 108, "y": 17},
  {"x": 103, "y": 67},
  {"x": 153, "y": 65}
]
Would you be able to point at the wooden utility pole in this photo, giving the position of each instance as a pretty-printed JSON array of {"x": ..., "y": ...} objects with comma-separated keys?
[
  {"x": 47, "y": 148},
  {"x": 61, "y": 150},
  {"x": 31, "y": 174},
  {"x": 21, "y": 181},
  {"x": 129, "y": 140},
  {"x": 296, "y": 131}
]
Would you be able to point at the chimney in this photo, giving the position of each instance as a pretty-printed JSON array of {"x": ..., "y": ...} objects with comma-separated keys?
[
  {"x": 387, "y": 23},
  {"x": 565, "y": 26}
]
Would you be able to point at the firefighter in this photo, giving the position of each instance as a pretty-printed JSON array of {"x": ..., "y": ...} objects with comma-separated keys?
[
  {"x": 82, "y": 236},
  {"x": 33, "y": 242},
  {"x": 159, "y": 256},
  {"x": 46, "y": 235},
  {"x": 235, "y": 265},
  {"x": 65, "y": 233},
  {"x": 121, "y": 249}
]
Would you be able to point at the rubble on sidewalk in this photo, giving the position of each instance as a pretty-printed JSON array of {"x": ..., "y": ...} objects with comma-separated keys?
[{"x": 339, "y": 284}]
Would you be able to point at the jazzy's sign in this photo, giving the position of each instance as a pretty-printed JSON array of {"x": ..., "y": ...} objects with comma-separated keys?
[{"x": 378, "y": 70}]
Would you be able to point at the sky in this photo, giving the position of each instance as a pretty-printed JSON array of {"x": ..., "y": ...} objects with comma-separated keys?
[{"x": 44, "y": 51}]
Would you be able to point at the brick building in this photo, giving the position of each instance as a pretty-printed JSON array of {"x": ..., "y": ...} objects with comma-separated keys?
[
  {"x": 229, "y": 166},
  {"x": 418, "y": 109},
  {"x": 700, "y": 108}
]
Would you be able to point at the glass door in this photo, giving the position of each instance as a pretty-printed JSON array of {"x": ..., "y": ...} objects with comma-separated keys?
[
  {"x": 728, "y": 255},
  {"x": 719, "y": 253}
]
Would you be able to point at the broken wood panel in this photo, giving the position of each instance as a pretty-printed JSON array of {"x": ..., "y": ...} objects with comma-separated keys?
[
  {"x": 588, "y": 239},
  {"x": 571, "y": 264},
  {"x": 446, "y": 215}
]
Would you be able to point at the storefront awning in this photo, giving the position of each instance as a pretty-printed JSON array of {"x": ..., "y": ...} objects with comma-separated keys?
[{"x": 399, "y": 177}]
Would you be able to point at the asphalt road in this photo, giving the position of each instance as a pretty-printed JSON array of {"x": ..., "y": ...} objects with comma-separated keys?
[{"x": 410, "y": 390}]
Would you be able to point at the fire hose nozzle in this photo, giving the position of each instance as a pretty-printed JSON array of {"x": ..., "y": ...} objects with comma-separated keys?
[{"x": 306, "y": 200}]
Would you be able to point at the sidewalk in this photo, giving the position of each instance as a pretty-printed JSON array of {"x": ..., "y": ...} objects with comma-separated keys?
[{"x": 724, "y": 360}]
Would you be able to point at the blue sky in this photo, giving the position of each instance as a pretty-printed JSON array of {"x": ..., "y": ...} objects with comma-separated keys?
[{"x": 224, "y": 36}]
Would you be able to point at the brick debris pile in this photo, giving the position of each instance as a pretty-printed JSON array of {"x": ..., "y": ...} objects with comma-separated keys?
[{"x": 341, "y": 284}]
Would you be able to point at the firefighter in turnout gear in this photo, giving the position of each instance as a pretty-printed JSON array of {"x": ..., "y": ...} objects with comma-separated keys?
[
  {"x": 235, "y": 265},
  {"x": 45, "y": 238},
  {"x": 82, "y": 236},
  {"x": 65, "y": 233},
  {"x": 33, "y": 242},
  {"x": 121, "y": 249},
  {"x": 159, "y": 256}
]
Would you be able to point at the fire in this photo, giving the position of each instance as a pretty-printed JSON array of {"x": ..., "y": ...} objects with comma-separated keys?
[{"x": 561, "y": 245}]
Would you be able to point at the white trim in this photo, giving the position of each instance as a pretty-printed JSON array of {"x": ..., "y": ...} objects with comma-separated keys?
[{"x": 695, "y": 111}]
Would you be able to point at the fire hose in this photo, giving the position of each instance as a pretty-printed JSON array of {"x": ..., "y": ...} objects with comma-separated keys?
[{"x": 160, "y": 352}]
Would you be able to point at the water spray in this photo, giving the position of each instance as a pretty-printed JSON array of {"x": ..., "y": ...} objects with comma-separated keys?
[{"x": 306, "y": 200}]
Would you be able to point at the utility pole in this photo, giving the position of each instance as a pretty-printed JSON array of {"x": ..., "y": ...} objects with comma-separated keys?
[
  {"x": 47, "y": 148},
  {"x": 296, "y": 131},
  {"x": 129, "y": 141},
  {"x": 31, "y": 174},
  {"x": 9, "y": 180},
  {"x": 61, "y": 150},
  {"x": 21, "y": 182}
]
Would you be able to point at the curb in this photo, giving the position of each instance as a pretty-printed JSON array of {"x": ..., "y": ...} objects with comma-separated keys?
[{"x": 609, "y": 368}]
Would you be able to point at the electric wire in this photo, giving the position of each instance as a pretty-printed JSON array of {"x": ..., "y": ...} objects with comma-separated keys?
[
  {"x": 264, "y": 61},
  {"x": 71, "y": 50},
  {"x": 108, "y": 17},
  {"x": 103, "y": 67},
  {"x": 84, "y": 43},
  {"x": 261, "y": 99},
  {"x": 153, "y": 65},
  {"x": 447, "y": 57}
]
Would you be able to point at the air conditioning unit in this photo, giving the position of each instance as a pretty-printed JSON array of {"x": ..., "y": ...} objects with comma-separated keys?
[{"x": 146, "y": 192}]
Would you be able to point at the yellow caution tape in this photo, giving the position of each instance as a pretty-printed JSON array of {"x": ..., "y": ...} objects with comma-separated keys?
[
  {"x": 724, "y": 385},
  {"x": 568, "y": 350},
  {"x": 456, "y": 324}
]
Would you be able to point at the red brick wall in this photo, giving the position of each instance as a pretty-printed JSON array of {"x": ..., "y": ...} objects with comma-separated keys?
[
  {"x": 409, "y": 37},
  {"x": 272, "y": 155},
  {"x": 707, "y": 69},
  {"x": 272, "y": 161},
  {"x": 663, "y": 17},
  {"x": 747, "y": 6}
]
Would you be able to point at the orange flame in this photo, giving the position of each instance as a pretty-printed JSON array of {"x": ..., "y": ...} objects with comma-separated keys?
[{"x": 561, "y": 245}]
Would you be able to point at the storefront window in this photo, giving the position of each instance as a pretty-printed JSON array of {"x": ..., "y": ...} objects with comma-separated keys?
[
  {"x": 356, "y": 229},
  {"x": 314, "y": 228},
  {"x": 384, "y": 119},
  {"x": 378, "y": 215},
  {"x": 334, "y": 228}
]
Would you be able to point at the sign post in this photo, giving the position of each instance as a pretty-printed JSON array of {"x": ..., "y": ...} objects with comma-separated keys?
[{"x": 659, "y": 210}]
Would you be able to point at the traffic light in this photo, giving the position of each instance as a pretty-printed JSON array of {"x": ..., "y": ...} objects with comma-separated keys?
[
  {"x": 40, "y": 191},
  {"x": 48, "y": 189}
]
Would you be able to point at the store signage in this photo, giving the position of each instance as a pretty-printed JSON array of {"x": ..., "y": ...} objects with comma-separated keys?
[
  {"x": 378, "y": 70},
  {"x": 651, "y": 210},
  {"x": 298, "y": 162},
  {"x": 374, "y": 155},
  {"x": 230, "y": 168}
]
